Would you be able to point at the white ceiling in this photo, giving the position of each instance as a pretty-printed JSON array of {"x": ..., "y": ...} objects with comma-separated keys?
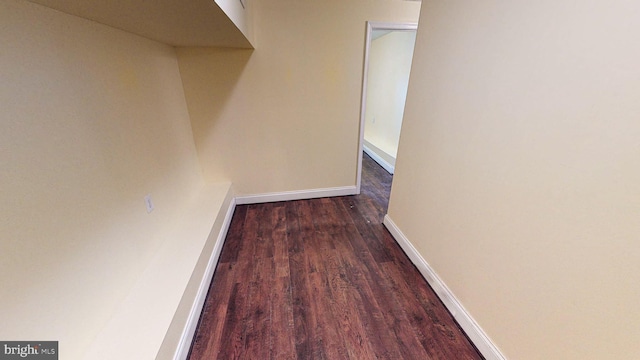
[{"x": 174, "y": 22}]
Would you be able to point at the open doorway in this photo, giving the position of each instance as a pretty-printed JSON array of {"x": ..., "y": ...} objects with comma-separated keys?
[{"x": 387, "y": 64}]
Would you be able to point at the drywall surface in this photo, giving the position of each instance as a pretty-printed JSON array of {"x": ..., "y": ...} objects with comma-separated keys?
[
  {"x": 92, "y": 120},
  {"x": 285, "y": 117},
  {"x": 518, "y": 172},
  {"x": 387, "y": 80}
]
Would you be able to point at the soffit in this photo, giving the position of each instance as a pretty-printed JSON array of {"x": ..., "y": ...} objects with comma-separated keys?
[{"x": 173, "y": 22}]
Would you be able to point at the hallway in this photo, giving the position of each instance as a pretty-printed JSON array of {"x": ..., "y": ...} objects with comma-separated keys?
[{"x": 323, "y": 279}]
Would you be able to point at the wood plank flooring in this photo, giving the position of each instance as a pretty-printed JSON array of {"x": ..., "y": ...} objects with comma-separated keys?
[{"x": 323, "y": 279}]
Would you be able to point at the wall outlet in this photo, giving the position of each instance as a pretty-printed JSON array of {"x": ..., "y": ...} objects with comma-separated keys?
[{"x": 148, "y": 203}]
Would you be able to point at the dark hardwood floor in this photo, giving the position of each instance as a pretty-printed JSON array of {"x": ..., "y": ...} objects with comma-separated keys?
[{"x": 323, "y": 279}]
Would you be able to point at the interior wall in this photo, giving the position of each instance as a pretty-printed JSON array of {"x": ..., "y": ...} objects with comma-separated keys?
[
  {"x": 92, "y": 120},
  {"x": 285, "y": 116},
  {"x": 388, "y": 77},
  {"x": 519, "y": 169}
]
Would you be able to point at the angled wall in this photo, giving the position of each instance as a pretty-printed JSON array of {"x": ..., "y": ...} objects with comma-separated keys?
[
  {"x": 518, "y": 172},
  {"x": 92, "y": 120}
]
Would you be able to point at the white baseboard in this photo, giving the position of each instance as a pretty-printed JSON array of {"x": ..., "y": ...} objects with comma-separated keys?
[
  {"x": 296, "y": 195},
  {"x": 382, "y": 162},
  {"x": 466, "y": 321},
  {"x": 184, "y": 345}
]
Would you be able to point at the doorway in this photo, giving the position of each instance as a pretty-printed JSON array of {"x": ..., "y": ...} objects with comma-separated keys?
[{"x": 387, "y": 64}]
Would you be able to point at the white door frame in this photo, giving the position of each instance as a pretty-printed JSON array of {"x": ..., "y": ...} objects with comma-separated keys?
[{"x": 372, "y": 25}]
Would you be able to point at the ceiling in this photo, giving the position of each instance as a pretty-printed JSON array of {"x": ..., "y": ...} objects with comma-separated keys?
[{"x": 173, "y": 22}]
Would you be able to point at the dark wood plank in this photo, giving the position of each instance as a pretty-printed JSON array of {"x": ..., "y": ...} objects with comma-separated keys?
[
  {"x": 257, "y": 340},
  {"x": 323, "y": 279},
  {"x": 209, "y": 334},
  {"x": 327, "y": 312},
  {"x": 233, "y": 242},
  {"x": 233, "y": 344},
  {"x": 283, "y": 339},
  {"x": 215, "y": 311},
  {"x": 350, "y": 277},
  {"x": 305, "y": 320},
  {"x": 358, "y": 345},
  {"x": 375, "y": 301}
]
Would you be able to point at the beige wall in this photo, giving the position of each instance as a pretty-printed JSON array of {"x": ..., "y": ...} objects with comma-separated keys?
[
  {"x": 518, "y": 173},
  {"x": 92, "y": 120},
  {"x": 285, "y": 116},
  {"x": 388, "y": 77}
]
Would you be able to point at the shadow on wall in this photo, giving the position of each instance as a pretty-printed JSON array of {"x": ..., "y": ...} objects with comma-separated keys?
[{"x": 212, "y": 75}]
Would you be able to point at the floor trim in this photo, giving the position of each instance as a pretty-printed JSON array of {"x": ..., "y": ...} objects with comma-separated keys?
[
  {"x": 296, "y": 195},
  {"x": 482, "y": 342},
  {"x": 377, "y": 158},
  {"x": 182, "y": 351}
]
